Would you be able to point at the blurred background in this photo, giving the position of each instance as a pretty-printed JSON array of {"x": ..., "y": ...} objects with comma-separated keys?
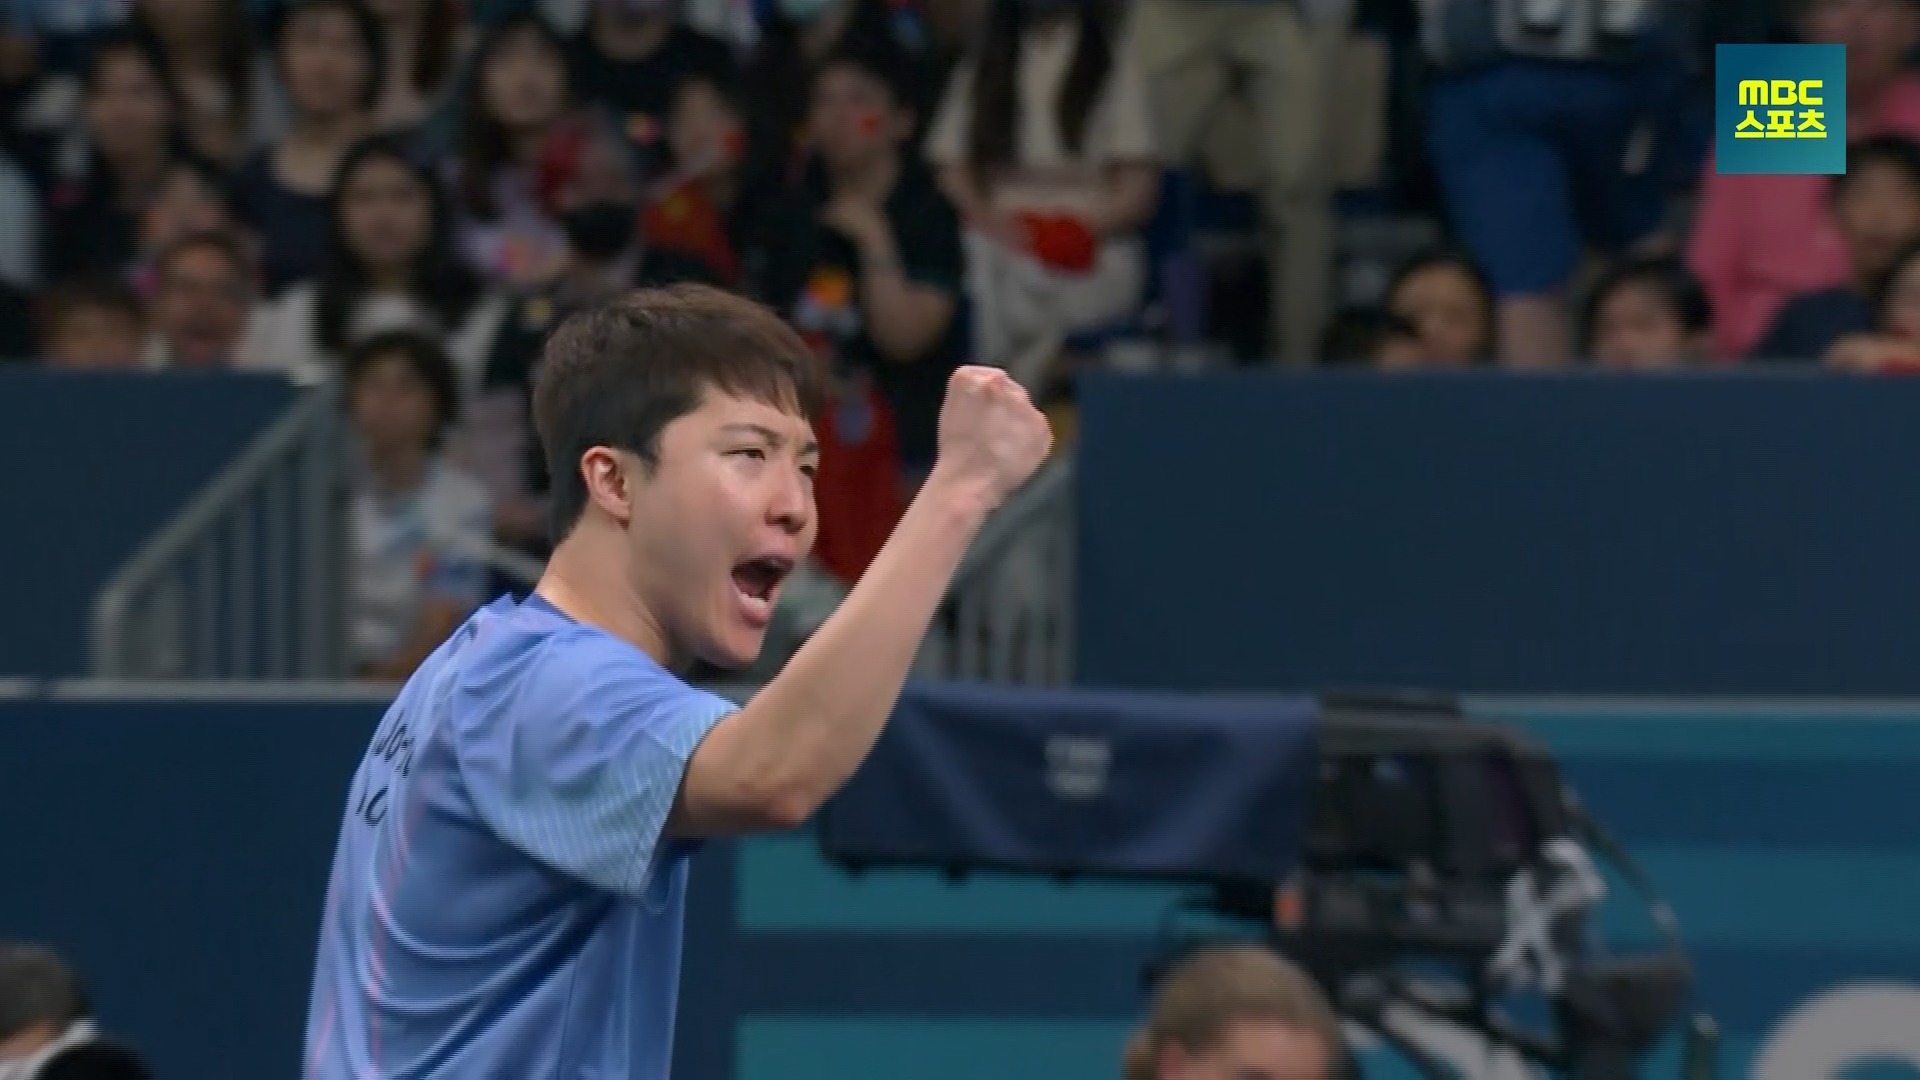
[{"x": 1404, "y": 348}]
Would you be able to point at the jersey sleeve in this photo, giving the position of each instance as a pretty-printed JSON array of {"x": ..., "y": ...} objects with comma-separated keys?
[{"x": 577, "y": 758}]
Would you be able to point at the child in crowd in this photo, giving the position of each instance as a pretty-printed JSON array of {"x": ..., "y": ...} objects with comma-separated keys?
[
  {"x": 92, "y": 324},
  {"x": 1448, "y": 302},
  {"x": 1893, "y": 344},
  {"x": 419, "y": 527},
  {"x": 1876, "y": 205},
  {"x": 699, "y": 210},
  {"x": 1648, "y": 314}
]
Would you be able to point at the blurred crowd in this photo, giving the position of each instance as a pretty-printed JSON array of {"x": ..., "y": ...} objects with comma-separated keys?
[{"x": 405, "y": 196}]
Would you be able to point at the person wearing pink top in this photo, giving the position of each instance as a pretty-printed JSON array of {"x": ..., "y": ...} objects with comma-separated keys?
[{"x": 1760, "y": 240}]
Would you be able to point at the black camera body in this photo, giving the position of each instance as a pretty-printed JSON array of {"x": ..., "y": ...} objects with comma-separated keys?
[
  {"x": 1356, "y": 831},
  {"x": 1418, "y": 820}
]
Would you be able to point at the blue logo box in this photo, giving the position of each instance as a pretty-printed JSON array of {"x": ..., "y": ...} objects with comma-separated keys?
[{"x": 1780, "y": 109}]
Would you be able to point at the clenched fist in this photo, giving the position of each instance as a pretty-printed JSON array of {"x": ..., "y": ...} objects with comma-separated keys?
[{"x": 991, "y": 437}]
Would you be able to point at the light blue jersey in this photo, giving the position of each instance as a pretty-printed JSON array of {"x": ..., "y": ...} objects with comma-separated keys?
[{"x": 502, "y": 902}]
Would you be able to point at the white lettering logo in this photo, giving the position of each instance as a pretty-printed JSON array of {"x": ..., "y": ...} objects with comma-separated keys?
[{"x": 1077, "y": 766}]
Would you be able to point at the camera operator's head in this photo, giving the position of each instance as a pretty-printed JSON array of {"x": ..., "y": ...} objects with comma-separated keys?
[
  {"x": 40, "y": 1003},
  {"x": 1237, "y": 1012}
]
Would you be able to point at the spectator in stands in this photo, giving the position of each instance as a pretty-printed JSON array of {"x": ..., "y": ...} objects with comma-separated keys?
[
  {"x": 706, "y": 207},
  {"x": 20, "y": 226},
  {"x": 869, "y": 268},
  {"x": 92, "y": 323},
  {"x": 1532, "y": 157},
  {"x": 595, "y": 186},
  {"x": 1234, "y": 1011},
  {"x": 1648, "y": 314},
  {"x": 1760, "y": 240},
  {"x": 426, "y": 42},
  {"x": 203, "y": 295},
  {"x": 418, "y": 526},
  {"x": 331, "y": 60},
  {"x": 1044, "y": 147},
  {"x": 47, "y": 1031},
  {"x": 1376, "y": 339},
  {"x": 1263, "y": 71},
  {"x": 632, "y": 58},
  {"x": 390, "y": 264},
  {"x": 1449, "y": 302},
  {"x": 1893, "y": 344},
  {"x": 95, "y": 202},
  {"x": 519, "y": 99},
  {"x": 1876, "y": 204},
  {"x": 798, "y": 36},
  {"x": 192, "y": 198},
  {"x": 207, "y": 55},
  {"x": 857, "y": 494}
]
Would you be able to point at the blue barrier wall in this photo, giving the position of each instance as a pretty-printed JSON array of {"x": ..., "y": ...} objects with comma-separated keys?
[
  {"x": 179, "y": 850},
  {"x": 95, "y": 464},
  {"x": 1714, "y": 534}
]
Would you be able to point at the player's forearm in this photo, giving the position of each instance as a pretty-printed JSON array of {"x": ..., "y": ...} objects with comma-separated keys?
[{"x": 805, "y": 733}]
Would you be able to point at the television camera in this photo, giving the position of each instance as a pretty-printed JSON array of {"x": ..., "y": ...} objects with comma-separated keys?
[{"x": 1416, "y": 861}]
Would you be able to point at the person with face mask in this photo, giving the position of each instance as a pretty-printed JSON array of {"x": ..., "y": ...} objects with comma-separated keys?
[
  {"x": 45, "y": 1032},
  {"x": 589, "y": 180},
  {"x": 632, "y": 58}
]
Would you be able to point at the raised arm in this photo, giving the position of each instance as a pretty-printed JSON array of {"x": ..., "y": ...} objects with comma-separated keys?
[{"x": 771, "y": 764}]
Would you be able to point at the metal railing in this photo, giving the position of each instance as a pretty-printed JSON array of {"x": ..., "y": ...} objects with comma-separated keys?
[
  {"x": 248, "y": 580},
  {"x": 1009, "y": 615}
]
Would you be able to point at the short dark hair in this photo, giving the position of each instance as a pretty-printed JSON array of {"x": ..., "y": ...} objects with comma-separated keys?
[
  {"x": 1894, "y": 150},
  {"x": 1662, "y": 274},
  {"x": 67, "y": 299},
  {"x": 36, "y": 989},
  {"x": 1356, "y": 334},
  {"x": 221, "y": 242},
  {"x": 617, "y": 374},
  {"x": 877, "y": 63},
  {"x": 424, "y": 356}
]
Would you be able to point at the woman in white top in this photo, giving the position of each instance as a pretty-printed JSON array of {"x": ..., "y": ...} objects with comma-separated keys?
[
  {"x": 390, "y": 265},
  {"x": 1043, "y": 145}
]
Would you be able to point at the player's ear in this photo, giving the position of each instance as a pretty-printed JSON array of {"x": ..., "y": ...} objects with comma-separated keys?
[{"x": 609, "y": 481}]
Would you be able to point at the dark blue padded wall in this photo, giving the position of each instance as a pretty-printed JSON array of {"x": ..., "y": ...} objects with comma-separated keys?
[
  {"x": 178, "y": 851},
  {"x": 1718, "y": 534},
  {"x": 95, "y": 464}
]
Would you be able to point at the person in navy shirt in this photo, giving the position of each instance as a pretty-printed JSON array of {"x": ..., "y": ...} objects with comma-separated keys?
[{"x": 508, "y": 887}]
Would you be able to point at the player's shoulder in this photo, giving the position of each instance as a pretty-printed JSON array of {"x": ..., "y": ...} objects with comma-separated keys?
[{"x": 527, "y": 657}]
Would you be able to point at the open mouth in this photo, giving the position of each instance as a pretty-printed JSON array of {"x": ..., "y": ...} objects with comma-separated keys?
[{"x": 757, "y": 580}]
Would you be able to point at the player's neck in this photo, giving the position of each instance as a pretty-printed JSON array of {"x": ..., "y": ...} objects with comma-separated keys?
[{"x": 585, "y": 579}]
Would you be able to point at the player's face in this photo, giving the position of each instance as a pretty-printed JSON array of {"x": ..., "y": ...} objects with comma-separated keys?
[
  {"x": 1252, "y": 1050},
  {"x": 724, "y": 518}
]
